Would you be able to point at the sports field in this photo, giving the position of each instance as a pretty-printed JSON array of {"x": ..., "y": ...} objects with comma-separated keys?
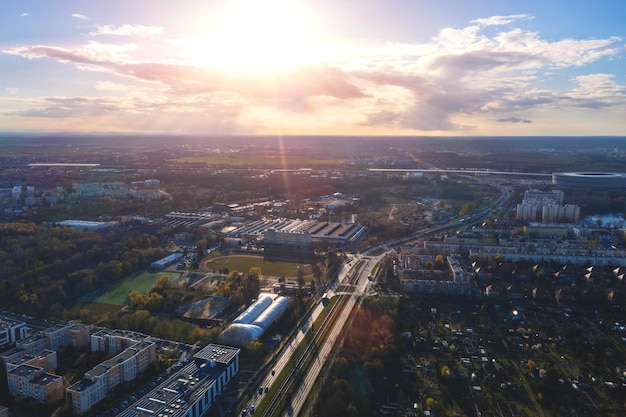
[
  {"x": 143, "y": 281},
  {"x": 140, "y": 282},
  {"x": 242, "y": 263}
]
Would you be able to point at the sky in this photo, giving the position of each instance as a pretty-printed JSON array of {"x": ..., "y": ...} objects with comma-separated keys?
[{"x": 314, "y": 67}]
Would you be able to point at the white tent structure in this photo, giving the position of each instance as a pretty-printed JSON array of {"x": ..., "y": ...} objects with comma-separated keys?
[
  {"x": 255, "y": 309},
  {"x": 255, "y": 320}
]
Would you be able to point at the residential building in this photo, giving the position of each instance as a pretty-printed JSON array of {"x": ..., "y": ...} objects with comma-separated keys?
[
  {"x": 33, "y": 382},
  {"x": 135, "y": 353},
  {"x": 11, "y": 330}
]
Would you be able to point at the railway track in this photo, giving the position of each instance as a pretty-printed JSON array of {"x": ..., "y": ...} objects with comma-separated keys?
[{"x": 281, "y": 401}]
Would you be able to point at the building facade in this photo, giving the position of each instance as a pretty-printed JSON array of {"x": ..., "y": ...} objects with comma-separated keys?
[
  {"x": 33, "y": 382},
  {"x": 11, "y": 331},
  {"x": 134, "y": 352}
]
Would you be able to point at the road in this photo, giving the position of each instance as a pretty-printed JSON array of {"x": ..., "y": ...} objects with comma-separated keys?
[
  {"x": 358, "y": 269},
  {"x": 361, "y": 287},
  {"x": 288, "y": 350}
]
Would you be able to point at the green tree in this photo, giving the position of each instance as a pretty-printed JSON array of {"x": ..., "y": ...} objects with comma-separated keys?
[{"x": 301, "y": 281}]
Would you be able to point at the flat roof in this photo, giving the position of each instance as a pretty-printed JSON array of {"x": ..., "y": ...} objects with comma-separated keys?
[
  {"x": 217, "y": 353},
  {"x": 6, "y": 322},
  {"x": 81, "y": 385},
  {"x": 45, "y": 379},
  {"x": 24, "y": 370},
  {"x": 173, "y": 397}
]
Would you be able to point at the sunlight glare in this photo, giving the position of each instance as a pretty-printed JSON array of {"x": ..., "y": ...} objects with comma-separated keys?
[{"x": 260, "y": 36}]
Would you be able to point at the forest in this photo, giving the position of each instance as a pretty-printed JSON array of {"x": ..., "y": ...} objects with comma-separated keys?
[
  {"x": 43, "y": 269},
  {"x": 359, "y": 379}
]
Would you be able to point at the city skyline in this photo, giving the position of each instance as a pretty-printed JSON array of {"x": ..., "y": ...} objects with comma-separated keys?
[{"x": 302, "y": 67}]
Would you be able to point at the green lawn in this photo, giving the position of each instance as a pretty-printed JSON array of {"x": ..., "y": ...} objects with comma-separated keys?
[
  {"x": 244, "y": 263},
  {"x": 97, "y": 308},
  {"x": 140, "y": 281},
  {"x": 143, "y": 281}
]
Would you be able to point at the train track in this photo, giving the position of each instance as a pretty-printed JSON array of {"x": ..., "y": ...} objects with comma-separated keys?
[{"x": 281, "y": 401}]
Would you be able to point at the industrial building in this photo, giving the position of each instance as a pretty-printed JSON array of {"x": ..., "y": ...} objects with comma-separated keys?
[
  {"x": 255, "y": 320},
  {"x": 193, "y": 388},
  {"x": 326, "y": 233},
  {"x": 163, "y": 263}
]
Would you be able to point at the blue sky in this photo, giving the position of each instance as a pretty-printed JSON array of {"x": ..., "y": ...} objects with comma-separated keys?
[{"x": 358, "y": 67}]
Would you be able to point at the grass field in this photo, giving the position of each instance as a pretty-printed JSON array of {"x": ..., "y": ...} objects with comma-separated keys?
[
  {"x": 141, "y": 282},
  {"x": 244, "y": 263},
  {"x": 93, "y": 307},
  {"x": 113, "y": 297},
  {"x": 261, "y": 161}
]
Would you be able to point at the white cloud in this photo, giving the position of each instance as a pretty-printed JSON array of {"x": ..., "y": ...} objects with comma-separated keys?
[
  {"x": 12, "y": 90},
  {"x": 127, "y": 30},
  {"x": 463, "y": 73},
  {"x": 24, "y": 14},
  {"x": 501, "y": 20},
  {"x": 109, "y": 86},
  {"x": 79, "y": 16}
]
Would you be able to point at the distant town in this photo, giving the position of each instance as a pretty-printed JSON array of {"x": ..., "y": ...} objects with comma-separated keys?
[{"x": 312, "y": 276}]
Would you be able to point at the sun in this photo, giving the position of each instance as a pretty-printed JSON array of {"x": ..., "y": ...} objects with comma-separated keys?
[{"x": 268, "y": 35}]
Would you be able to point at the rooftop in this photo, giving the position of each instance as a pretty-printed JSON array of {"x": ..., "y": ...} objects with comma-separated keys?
[
  {"x": 217, "y": 353},
  {"x": 24, "y": 370},
  {"x": 45, "y": 379},
  {"x": 185, "y": 385},
  {"x": 6, "y": 322}
]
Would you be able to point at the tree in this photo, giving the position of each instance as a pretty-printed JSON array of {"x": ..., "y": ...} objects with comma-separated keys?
[
  {"x": 430, "y": 403},
  {"x": 301, "y": 281},
  {"x": 317, "y": 271},
  {"x": 255, "y": 349}
]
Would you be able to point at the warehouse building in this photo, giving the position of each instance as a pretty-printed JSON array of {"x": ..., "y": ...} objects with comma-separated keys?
[{"x": 163, "y": 263}]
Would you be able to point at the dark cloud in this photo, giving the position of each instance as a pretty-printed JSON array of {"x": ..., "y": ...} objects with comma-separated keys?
[
  {"x": 383, "y": 118},
  {"x": 513, "y": 120},
  {"x": 485, "y": 60}
]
